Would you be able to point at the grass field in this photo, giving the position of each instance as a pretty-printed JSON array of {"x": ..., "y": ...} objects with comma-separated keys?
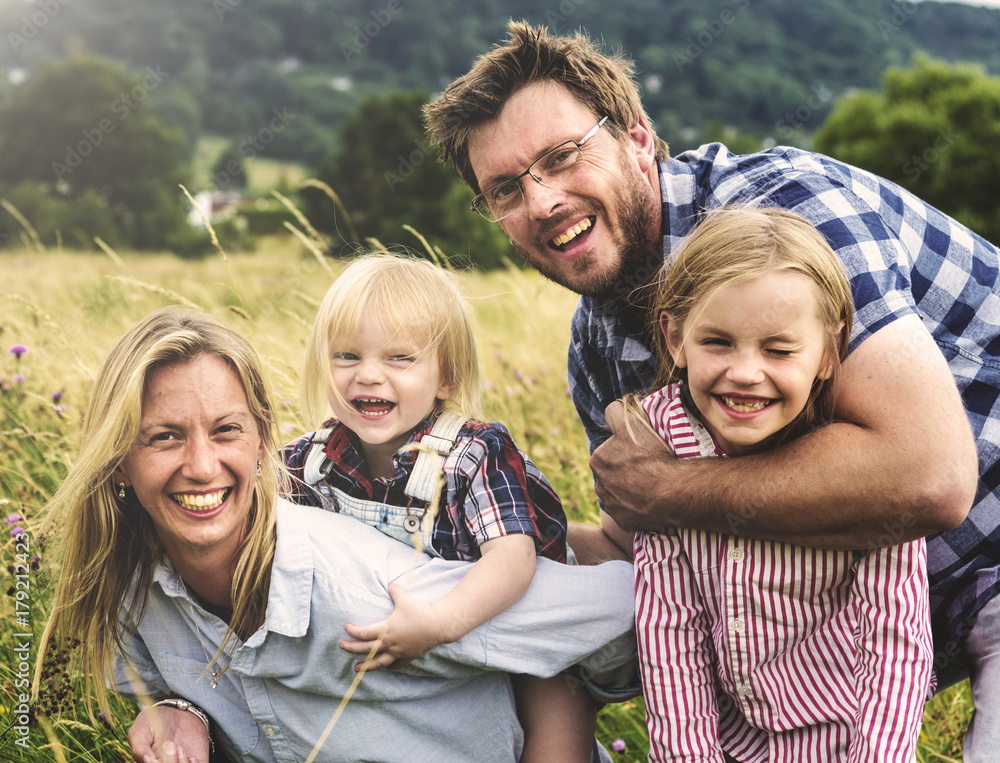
[{"x": 66, "y": 308}]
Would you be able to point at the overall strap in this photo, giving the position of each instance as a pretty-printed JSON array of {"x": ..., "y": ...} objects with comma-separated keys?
[
  {"x": 317, "y": 464},
  {"x": 433, "y": 449}
]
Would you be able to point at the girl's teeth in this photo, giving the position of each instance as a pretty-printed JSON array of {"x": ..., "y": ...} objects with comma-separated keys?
[
  {"x": 204, "y": 502},
  {"x": 572, "y": 233},
  {"x": 743, "y": 406}
]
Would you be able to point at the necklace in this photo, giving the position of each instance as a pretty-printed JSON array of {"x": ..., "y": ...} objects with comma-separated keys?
[{"x": 212, "y": 610}]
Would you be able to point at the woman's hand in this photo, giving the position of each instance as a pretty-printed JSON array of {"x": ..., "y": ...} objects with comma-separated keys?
[
  {"x": 168, "y": 735},
  {"x": 412, "y": 630}
]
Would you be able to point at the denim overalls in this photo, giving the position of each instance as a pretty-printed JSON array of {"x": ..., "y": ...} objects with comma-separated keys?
[{"x": 404, "y": 523}]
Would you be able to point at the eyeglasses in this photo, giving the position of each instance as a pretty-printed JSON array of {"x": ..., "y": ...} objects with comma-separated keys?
[{"x": 551, "y": 169}]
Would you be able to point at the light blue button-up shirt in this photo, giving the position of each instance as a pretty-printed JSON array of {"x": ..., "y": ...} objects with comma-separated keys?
[{"x": 284, "y": 682}]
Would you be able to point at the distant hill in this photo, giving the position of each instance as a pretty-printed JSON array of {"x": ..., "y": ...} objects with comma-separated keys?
[{"x": 770, "y": 68}]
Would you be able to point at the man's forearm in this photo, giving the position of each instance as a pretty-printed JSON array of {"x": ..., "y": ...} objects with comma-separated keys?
[{"x": 817, "y": 491}]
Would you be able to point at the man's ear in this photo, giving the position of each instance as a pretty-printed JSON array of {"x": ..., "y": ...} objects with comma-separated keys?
[
  {"x": 672, "y": 335},
  {"x": 643, "y": 144}
]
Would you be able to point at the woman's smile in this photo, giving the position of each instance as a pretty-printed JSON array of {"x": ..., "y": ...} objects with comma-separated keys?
[{"x": 193, "y": 466}]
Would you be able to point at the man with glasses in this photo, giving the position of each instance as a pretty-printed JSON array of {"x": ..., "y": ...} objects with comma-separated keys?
[{"x": 551, "y": 135}]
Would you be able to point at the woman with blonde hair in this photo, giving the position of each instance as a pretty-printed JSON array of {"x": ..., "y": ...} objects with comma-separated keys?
[{"x": 193, "y": 587}]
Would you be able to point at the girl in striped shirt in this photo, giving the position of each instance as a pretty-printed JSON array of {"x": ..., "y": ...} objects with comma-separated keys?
[{"x": 755, "y": 650}]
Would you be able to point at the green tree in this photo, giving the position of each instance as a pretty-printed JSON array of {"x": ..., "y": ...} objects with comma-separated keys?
[
  {"x": 388, "y": 176},
  {"x": 935, "y": 130},
  {"x": 85, "y": 127}
]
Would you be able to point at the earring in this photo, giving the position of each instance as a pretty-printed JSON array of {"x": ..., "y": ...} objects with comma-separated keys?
[
  {"x": 121, "y": 490},
  {"x": 258, "y": 467}
]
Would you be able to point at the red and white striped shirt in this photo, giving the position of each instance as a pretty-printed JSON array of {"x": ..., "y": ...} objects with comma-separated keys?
[{"x": 775, "y": 652}]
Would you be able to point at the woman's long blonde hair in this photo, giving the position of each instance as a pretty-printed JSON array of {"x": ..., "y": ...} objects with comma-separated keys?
[
  {"x": 108, "y": 546},
  {"x": 411, "y": 298},
  {"x": 736, "y": 244}
]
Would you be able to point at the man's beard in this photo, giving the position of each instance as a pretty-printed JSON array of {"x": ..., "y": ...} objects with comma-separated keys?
[{"x": 640, "y": 253}]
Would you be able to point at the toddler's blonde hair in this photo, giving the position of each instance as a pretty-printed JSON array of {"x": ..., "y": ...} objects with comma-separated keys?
[{"x": 411, "y": 298}]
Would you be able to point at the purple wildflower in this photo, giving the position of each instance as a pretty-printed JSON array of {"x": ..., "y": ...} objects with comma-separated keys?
[
  {"x": 59, "y": 409},
  {"x": 56, "y": 396},
  {"x": 618, "y": 745},
  {"x": 18, "y": 379},
  {"x": 18, "y": 350},
  {"x": 16, "y": 531},
  {"x": 12, "y": 518}
]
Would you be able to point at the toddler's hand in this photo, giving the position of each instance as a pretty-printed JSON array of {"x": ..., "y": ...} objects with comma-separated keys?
[{"x": 413, "y": 629}]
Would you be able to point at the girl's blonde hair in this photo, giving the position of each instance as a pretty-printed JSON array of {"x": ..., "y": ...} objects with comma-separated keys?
[
  {"x": 411, "y": 298},
  {"x": 107, "y": 545},
  {"x": 733, "y": 245}
]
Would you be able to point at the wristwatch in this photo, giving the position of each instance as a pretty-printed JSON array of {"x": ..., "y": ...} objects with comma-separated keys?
[{"x": 183, "y": 704}]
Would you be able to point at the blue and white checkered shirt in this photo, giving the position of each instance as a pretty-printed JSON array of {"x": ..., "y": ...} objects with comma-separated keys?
[{"x": 902, "y": 257}]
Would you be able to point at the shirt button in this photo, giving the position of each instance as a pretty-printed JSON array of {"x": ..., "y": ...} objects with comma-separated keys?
[
  {"x": 744, "y": 690},
  {"x": 270, "y": 731},
  {"x": 736, "y": 554},
  {"x": 735, "y": 625}
]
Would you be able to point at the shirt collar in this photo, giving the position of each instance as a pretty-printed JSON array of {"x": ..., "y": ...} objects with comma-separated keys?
[
  {"x": 617, "y": 334},
  {"x": 679, "y": 195},
  {"x": 290, "y": 593},
  {"x": 290, "y": 596},
  {"x": 344, "y": 448}
]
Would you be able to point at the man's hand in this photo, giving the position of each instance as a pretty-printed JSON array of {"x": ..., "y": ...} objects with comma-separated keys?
[
  {"x": 412, "y": 630},
  {"x": 168, "y": 735},
  {"x": 630, "y": 470}
]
